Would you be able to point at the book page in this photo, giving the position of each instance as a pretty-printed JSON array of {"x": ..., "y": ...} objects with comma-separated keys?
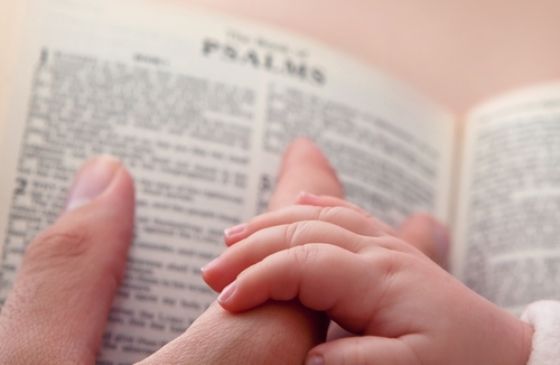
[
  {"x": 507, "y": 245},
  {"x": 11, "y": 14},
  {"x": 11, "y": 17},
  {"x": 199, "y": 108}
]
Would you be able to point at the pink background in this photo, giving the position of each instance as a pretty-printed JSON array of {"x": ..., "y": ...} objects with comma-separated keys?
[{"x": 455, "y": 51}]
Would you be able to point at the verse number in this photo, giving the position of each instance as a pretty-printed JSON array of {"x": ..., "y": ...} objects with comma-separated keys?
[{"x": 21, "y": 186}]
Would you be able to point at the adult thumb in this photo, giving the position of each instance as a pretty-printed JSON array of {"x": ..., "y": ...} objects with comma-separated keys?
[
  {"x": 428, "y": 235},
  {"x": 57, "y": 309}
]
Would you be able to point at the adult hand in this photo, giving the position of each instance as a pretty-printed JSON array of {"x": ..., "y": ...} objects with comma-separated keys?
[
  {"x": 57, "y": 310},
  {"x": 58, "y": 307}
]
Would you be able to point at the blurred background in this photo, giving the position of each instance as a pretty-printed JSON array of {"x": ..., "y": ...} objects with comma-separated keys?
[{"x": 458, "y": 52}]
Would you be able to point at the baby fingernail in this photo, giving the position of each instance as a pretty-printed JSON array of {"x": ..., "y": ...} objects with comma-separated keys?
[
  {"x": 315, "y": 360},
  {"x": 305, "y": 196},
  {"x": 209, "y": 265},
  {"x": 92, "y": 180},
  {"x": 235, "y": 230},
  {"x": 227, "y": 293}
]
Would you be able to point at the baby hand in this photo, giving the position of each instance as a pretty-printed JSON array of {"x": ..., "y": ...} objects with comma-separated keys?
[{"x": 402, "y": 307}]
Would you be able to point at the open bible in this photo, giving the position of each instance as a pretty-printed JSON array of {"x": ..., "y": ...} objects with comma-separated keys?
[{"x": 200, "y": 107}]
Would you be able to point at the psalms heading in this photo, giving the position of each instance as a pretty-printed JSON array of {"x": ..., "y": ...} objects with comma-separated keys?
[{"x": 263, "y": 58}]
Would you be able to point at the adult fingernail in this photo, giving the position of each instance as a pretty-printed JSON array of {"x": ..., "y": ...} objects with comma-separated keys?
[
  {"x": 315, "y": 360},
  {"x": 92, "y": 180},
  {"x": 235, "y": 230},
  {"x": 227, "y": 293}
]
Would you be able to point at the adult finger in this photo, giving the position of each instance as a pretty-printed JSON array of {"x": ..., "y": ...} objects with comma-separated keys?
[
  {"x": 428, "y": 235},
  {"x": 366, "y": 350},
  {"x": 342, "y": 216},
  {"x": 285, "y": 332},
  {"x": 273, "y": 334},
  {"x": 57, "y": 309},
  {"x": 304, "y": 168}
]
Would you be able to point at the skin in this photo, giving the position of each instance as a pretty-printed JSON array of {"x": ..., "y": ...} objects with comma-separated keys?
[
  {"x": 398, "y": 306},
  {"x": 276, "y": 332},
  {"x": 57, "y": 310}
]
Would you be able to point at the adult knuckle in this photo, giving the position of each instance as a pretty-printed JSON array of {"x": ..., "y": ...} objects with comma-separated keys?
[{"x": 55, "y": 245}]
